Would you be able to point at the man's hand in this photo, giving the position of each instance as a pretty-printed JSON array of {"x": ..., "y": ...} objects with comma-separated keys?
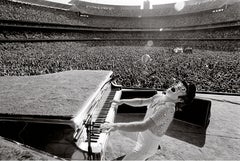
[
  {"x": 118, "y": 102},
  {"x": 108, "y": 127}
]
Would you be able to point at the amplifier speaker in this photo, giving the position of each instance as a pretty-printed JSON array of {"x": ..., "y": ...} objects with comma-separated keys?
[{"x": 198, "y": 113}]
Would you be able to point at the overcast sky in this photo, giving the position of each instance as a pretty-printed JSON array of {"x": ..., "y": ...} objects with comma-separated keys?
[{"x": 122, "y": 2}]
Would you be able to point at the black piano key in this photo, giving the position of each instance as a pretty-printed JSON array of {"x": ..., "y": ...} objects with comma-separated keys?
[
  {"x": 101, "y": 123},
  {"x": 96, "y": 126},
  {"x": 107, "y": 105},
  {"x": 94, "y": 137},
  {"x": 102, "y": 116},
  {"x": 100, "y": 120},
  {"x": 103, "y": 113},
  {"x": 96, "y": 131},
  {"x": 106, "y": 109},
  {"x": 92, "y": 141}
]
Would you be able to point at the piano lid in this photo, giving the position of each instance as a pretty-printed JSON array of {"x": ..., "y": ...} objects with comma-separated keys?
[{"x": 59, "y": 95}]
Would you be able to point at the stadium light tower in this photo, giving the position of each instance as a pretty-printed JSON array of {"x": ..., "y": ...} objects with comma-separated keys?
[{"x": 146, "y": 4}]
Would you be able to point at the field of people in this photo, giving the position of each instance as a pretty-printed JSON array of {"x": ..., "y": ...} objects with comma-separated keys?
[{"x": 214, "y": 71}]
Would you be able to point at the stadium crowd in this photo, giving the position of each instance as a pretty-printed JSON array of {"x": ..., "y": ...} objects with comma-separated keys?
[
  {"x": 165, "y": 39},
  {"x": 227, "y": 32},
  {"x": 157, "y": 10},
  {"x": 10, "y": 10},
  {"x": 216, "y": 71},
  {"x": 26, "y": 12}
]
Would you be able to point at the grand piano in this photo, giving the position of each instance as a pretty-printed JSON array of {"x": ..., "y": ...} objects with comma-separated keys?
[{"x": 59, "y": 113}]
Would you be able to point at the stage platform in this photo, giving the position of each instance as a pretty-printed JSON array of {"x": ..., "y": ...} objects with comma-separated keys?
[
  {"x": 183, "y": 141},
  {"x": 59, "y": 98}
]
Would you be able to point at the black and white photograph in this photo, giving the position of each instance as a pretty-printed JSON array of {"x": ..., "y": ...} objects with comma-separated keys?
[{"x": 113, "y": 80}]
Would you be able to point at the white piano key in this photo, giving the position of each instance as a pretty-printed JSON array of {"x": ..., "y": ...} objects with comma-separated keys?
[{"x": 100, "y": 145}]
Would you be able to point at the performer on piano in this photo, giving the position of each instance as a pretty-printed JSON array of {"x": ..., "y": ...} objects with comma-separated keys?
[{"x": 159, "y": 115}]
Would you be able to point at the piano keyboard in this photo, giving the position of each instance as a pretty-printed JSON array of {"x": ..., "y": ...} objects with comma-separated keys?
[{"x": 106, "y": 114}]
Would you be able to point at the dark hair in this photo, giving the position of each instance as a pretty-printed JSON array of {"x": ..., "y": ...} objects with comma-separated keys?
[
  {"x": 191, "y": 91},
  {"x": 188, "y": 98}
]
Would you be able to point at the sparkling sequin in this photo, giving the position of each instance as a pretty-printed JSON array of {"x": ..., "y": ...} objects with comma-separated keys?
[{"x": 162, "y": 114}]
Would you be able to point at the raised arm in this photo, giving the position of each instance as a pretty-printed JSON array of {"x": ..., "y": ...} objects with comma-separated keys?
[
  {"x": 129, "y": 126},
  {"x": 136, "y": 102}
]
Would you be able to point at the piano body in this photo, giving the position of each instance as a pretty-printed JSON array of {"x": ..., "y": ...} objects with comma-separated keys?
[{"x": 59, "y": 113}]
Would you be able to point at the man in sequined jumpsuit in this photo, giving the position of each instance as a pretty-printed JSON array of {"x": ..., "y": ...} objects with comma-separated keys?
[{"x": 159, "y": 115}]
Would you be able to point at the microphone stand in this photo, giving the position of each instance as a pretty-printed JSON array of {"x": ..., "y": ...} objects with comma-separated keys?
[{"x": 89, "y": 128}]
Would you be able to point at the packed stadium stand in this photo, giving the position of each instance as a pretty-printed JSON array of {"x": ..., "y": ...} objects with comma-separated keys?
[
  {"x": 201, "y": 25},
  {"x": 47, "y": 4},
  {"x": 108, "y": 16},
  {"x": 156, "y": 11}
]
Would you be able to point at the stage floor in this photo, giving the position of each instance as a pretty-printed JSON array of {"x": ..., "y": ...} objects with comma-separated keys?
[{"x": 221, "y": 140}]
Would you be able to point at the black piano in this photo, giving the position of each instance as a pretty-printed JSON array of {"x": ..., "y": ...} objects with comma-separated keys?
[{"x": 59, "y": 113}]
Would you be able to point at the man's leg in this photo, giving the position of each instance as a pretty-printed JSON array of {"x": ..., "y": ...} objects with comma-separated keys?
[{"x": 145, "y": 147}]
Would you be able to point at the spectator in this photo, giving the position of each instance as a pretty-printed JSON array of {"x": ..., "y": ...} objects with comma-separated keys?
[{"x": 209, "y": 70}]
